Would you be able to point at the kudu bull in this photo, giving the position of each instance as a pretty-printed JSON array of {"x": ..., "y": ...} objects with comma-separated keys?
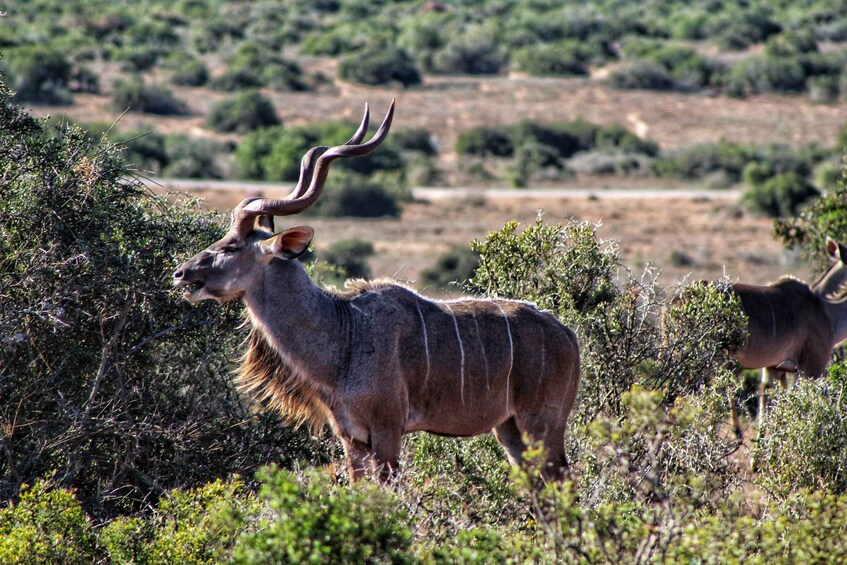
[
  {"x": 380, "y": 360},
  {"x": 793, "y": 327}
]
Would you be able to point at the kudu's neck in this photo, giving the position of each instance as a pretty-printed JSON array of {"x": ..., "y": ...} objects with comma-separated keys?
[
  {"x": 837, "y": 312},
  {"x": 832, "y": 282},
  {"x": 309, "y": 327}
]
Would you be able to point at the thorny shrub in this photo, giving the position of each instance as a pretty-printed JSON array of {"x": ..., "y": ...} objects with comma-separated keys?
[
  {"x": 804, "y": 437},
  {"x": 105, "y": 373}
]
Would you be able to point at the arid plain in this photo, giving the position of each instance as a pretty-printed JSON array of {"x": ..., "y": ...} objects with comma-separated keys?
[{"x": 684, "y": 236}]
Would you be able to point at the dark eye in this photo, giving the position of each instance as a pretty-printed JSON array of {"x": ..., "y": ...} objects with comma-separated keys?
[{"x": 231, "y": 249}]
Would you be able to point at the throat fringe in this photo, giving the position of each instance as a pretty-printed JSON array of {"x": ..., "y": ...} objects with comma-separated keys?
[{"x": 266, "y": 375}]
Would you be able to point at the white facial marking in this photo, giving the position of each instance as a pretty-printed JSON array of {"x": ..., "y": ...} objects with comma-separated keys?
[
  {"x": 426, "y": 342},
  {"x": 511, "y": 354},
  {"x": 462, "y": 352}
]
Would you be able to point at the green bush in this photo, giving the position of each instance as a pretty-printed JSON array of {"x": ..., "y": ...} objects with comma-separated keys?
[
  {"x": 642, "y": 75},
  {"x": 172, "y": 155},
  {"x": 45, "y": 526},
  {"x": 254, "y": 65},
  {"x": 418, "y": 140},
  {"x": 134, "y": 95},
  {"x": 804, "y": 443},
  {"x": 565, "y": 59},
  {"x": 611, "y": 162},
  {"x": 824, "y": 89},
  {"x": 380, "y": 65},
  {"x": 701, "y": 160},
  {"x": 274, "y": 153},
  {"x": 737, "y": 31},
  {"x": 700, "y": 325},
  {"x": 823, "y": 217},
  {"x": 314, "y": 520},
  {"x": 563, "y": 139},
  {"x": 532, "y": 159},
  {"x": 351, "y": 255},
  {"x": 445, "y": 473},
  {"x": 475, "y": 51},
  {"x": 101, "y": 361},
  {"x": 688, "y": 69},
  {"x": 343, "y": 38},
  {"x": 144, "y": 150},
  {"x": 775, "y": 195},
  {"x": 764, "y": 74},
  {"x": 191, "y": 158},
  {"x": 196, "y": 526},
  {"x": 359, "y": 199},
  {"x": 617, "y": 137},
  {"x": 452, "y": 269},
  {"x": 484, "y": 141},
  {"x": 233, "y": 80},
  {"x": 137, "y": 58},
  {"x": 39, "y": 74},
  {"x": 536, "y": 145},
  {"x": 189, "y": 71},
  {"x": 244, "y": 112}
]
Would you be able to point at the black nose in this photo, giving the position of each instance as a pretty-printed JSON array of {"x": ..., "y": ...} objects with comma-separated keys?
[{"x": 178, "y": 274}]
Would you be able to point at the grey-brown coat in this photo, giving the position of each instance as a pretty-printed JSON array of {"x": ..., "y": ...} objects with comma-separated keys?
[{"x": 381, "y": 361}]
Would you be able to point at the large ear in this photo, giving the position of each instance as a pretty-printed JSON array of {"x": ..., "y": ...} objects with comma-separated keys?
[
  {"x": 289, "y": 244},
  {"x": 835, "y": 251}
]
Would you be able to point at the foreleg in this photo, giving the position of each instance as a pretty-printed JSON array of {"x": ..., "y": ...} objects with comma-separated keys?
[
  {"x": 359, "y": 458},
  {"x": 549, "y": 428},
  {"x": 386, "y": 446}
]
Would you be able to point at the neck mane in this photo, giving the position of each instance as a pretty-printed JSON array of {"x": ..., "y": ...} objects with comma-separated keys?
[{"x": 265, "y": 374}]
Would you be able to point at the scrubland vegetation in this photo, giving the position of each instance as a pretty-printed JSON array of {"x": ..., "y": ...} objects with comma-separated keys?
[
  {"x": 123, "y": 438},
  {"x": 136, "y": 53},
  {"x": 124, "y": 441}
]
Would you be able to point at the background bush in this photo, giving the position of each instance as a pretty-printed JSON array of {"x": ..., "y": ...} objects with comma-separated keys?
[
  {"x": 171, "y": 155},
  {"x": 776, "y": 195},
  {"x": 357, "y": 198},
  {"x": 254, "y": 65},
  {"x": 39, "y": 74},
  {"x": 136, "y": 96},
  {"x": 244, "y": 112},
  {"x": 452, "y": 270},
  {"x": 351, "y": 255},
  {"x": 562, "y": 59},
  {"x": 274, "y": 153},
  {"x": 380, "y": 65}
]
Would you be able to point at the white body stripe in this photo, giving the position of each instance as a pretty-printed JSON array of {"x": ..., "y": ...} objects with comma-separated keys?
[
  {"x": 462, "y": 352},
  {"x": 426, "y": 342},
  {"x": 484, "y": 356},
  {"x": 511, "y": 354}
]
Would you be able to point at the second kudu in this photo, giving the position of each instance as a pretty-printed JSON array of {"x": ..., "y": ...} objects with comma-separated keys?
[
  {"x": 380, "y": 360},
  {"x": 793, "y": 327}
]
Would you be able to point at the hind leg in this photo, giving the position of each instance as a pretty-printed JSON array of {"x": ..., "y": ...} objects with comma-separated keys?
[{"x": 510, "y": 438}]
